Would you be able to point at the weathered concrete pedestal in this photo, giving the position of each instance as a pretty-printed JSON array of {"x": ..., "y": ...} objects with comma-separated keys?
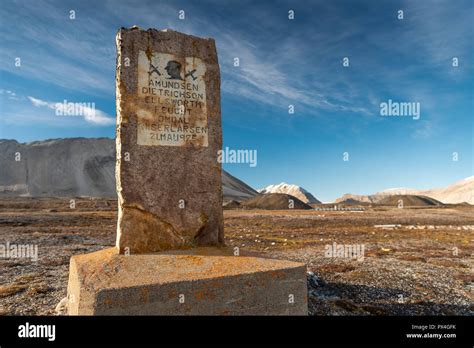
[{"x": 200, "y": 281}]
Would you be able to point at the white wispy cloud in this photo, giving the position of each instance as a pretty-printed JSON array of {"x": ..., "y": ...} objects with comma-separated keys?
[
  {"x": 264, "y": 75},
  {"x": 275, "y": 70},
  {"x": 38, "y": 103},
  {"x": 90, "y": 113},
  {"x": 71, "y": 54},
  {"x": 9, "y": 94}
]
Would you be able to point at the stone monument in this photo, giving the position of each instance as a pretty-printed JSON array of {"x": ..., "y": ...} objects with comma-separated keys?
[{"x": 170, "y": 256}]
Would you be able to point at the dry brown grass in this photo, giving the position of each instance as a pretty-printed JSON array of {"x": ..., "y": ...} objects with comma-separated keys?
[
  {"x": 11, "y": 289},
  {"x": 336, "y": 268},
  {"x": 420, "y": 261}
]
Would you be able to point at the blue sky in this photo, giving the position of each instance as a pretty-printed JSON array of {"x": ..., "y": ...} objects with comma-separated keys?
[{"x": 282, "y": 62}]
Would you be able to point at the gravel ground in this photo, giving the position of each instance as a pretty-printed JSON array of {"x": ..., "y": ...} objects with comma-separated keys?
[{"x": 421, "y": 267}]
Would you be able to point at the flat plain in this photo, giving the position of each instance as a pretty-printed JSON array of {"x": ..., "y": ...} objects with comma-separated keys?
[{"x": 420, "y": 265}]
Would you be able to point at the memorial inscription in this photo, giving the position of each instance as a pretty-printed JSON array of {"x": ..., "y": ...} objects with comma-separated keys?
[{"x": 172, "y": 93}]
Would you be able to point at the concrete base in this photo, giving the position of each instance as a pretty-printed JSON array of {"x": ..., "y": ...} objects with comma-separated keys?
[{"x": 201, "y": 281}]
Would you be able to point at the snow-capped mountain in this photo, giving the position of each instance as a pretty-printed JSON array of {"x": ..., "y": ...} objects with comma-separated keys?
[
  {"x": 459, "y": 192},
  {"x": 293, "y": 190}
]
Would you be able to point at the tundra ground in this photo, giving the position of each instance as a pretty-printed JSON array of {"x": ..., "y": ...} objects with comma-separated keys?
[{"x": 420, "y": 266}]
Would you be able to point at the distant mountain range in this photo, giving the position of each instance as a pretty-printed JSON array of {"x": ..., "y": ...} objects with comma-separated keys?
[
  {"x": 459, "y": 192},
  {"x": 58, "y": 167},
  {"x": 293, "y": 190},
  {"x": 274, "y": 201},
  {"x": 235, "y": 189},
  {"x": 74, "y": 167},
  {"x": 409, "y": 201}
]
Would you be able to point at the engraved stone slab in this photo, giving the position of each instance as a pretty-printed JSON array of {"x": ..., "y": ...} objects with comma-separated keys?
[
  {"x": 167, "y": 137},
  {"x": 175, "y": 111}
]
